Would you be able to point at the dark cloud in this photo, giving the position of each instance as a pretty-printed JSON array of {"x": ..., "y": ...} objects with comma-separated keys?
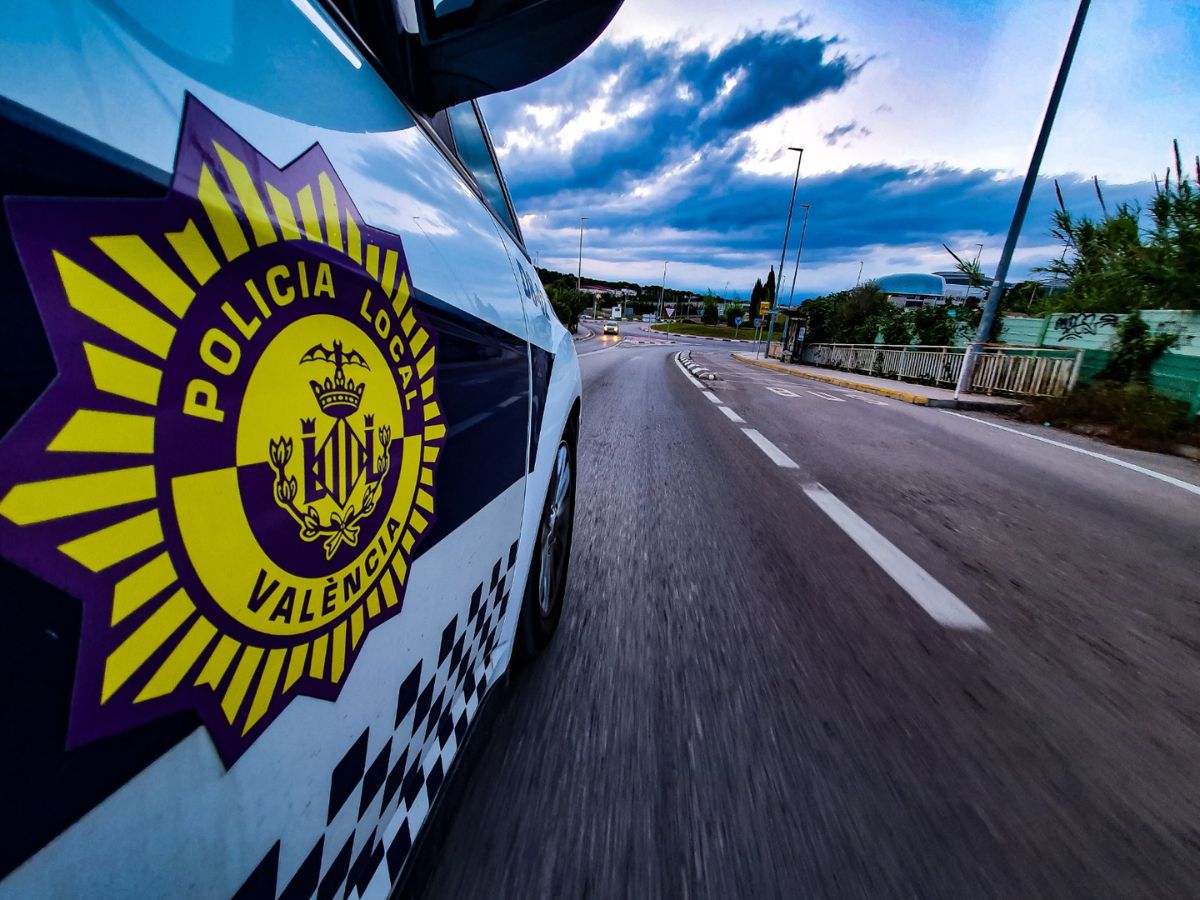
[
  {"x": 686, "y": 144},
  {"x": 718, "y": 214},
  {"x": 670, "y": 103},
  {"x": 836, "y": 134}
]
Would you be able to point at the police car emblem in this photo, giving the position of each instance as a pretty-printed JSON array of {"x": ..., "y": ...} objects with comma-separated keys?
[{"x": 237, "y": 460}]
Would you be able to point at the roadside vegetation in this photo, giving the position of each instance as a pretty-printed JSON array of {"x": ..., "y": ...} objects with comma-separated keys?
[
  {"x": 1126, "y": 260},
  {"x": 1121, "y": 404},
  {"x": 745, "y": 333}
]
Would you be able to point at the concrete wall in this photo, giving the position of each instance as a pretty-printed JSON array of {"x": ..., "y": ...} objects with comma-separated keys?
[{"x": 1176, "y": 375}]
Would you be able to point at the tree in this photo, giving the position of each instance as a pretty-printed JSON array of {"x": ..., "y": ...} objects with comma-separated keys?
[
  {"x": 895, "y": 325},
  {"x": 732, "y": 311},
  {"x": 1113, "y": 265},
  {"x": 933, "y": 325},
  {"x": 756, "y": 296},
  {"x": 1135, "y": 351},
  {"x": 567, "y": 304},
  {"x": 970, "y": 269},
  {"x": 769, "y": 289},
  {"x": 709, "y": 316}
]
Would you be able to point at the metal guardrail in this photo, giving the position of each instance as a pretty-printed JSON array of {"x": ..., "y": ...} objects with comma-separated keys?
[{"x": 1000, "y": 369}]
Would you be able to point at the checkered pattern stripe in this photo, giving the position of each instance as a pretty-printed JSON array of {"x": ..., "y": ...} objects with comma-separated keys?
[{"x": 377, "y": 805}]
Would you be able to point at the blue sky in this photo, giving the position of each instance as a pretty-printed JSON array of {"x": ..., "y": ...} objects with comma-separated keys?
[{"x": 917, "y": 119}]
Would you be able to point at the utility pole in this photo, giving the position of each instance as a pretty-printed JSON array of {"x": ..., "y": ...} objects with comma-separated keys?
[
  {"x": 858, "y": 280},
  {"x": 662, "y": 290},
  {"x": 783, "y": 252},
  {"x": 1018, "y": 219},
  {"x": 579, "y": 270},
  {"x": 799, "y": 250}
]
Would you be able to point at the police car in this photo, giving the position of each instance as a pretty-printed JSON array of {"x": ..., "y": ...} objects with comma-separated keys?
[{"x": 288, "y": 456}]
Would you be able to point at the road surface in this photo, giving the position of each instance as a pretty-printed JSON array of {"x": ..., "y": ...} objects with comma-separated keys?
[{"x": 871, "y": 650}]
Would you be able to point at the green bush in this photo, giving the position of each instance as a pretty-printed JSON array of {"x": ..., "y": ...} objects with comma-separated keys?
[
  {"x": 934, "y": 326},
  {"x": 1132, "y": 411},
  {"x": 1135, "y": 351},
  {"x": 709, "y": 316}
]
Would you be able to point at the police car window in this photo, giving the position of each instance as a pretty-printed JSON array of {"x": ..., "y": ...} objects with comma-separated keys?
[
  {"x": 473, "y": 150},
  {"x": 445, "y": 7}
]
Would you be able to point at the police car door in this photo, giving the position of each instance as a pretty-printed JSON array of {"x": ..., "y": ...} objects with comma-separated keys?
[{"x": 277, "y": 480}]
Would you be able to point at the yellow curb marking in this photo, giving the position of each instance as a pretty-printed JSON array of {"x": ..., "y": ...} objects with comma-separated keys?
[{"x": 915, "y": 399}]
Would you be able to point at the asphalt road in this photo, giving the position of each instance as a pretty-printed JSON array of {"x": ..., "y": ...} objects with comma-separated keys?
[{"x": 741, "y": 702}]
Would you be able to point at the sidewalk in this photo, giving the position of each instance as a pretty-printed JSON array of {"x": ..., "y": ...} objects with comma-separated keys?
[{"x": 918, "y": 394}]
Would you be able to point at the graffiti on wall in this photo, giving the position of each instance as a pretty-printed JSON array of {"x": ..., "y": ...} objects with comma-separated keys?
[{"x": 1078, "y": 325}]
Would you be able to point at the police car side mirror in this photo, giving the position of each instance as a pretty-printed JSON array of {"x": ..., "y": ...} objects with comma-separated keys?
[{"x": 465, "y": 49}]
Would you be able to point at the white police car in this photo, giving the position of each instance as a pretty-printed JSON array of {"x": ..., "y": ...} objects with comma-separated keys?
[{"x": 287, "y": 473}]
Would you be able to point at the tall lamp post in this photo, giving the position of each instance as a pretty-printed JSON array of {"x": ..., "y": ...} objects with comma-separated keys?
[
  {"x": 1018, "y": 219},
  {"x": 783, "y": 251},
  {"x": 803, "y": 229},
  {"x": 579, "y": 270},
  {"x": 662, "y": 290}
]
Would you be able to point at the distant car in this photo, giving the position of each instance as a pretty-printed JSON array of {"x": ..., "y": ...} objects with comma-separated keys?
[{"x": 611, "y": 328}]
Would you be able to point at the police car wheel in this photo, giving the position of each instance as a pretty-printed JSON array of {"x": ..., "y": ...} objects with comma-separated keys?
[{"x": 547, "y": 582}]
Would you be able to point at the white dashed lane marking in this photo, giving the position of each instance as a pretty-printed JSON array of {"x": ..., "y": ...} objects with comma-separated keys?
[
  {"x": 923, "y": 588},
  {"x": 773, "y": 453},
  {"x": 928, "y": 592}
]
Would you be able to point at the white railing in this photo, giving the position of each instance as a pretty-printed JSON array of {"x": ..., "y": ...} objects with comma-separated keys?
[{"x": 999, "y": 369}]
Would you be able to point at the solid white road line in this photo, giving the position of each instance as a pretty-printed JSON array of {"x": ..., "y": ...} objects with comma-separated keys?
[
  {"x": 929, "y": 594},
  {"x": 730, "y": 414},
  {"x": 711, "y": 396},
  {"x": 782, "y": 392},
  {"x": 1185, "y": 485},
  {"x": 774, "y": 454},
  {"x": 827, "y": 396}
]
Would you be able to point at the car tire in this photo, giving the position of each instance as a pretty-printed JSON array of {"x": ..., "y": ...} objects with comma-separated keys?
[{"x": 542, "y": 605}]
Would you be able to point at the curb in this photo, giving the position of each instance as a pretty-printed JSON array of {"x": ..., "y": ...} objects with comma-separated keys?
[
  {"x": 693, "y": 368},
  {"x": 895, "y": 394}
]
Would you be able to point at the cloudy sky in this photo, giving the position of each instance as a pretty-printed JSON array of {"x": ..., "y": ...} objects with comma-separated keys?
[{"x": 917, "y": 118}]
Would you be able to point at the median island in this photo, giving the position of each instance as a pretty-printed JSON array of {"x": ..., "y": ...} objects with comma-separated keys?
[{"x": 745, "y": 333}]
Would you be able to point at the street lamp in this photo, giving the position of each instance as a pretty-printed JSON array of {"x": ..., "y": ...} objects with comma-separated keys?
[
  {"x": 662, "y": 289},
  {"x": 799, "y": 250},
  {"x": 786, "y": 229},
  {"x": 1018, "y": 219},
  {"x": 579, "y": 270}
]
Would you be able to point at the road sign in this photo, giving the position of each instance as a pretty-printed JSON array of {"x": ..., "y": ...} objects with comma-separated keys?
[
  {"x": 763, "y": 307},
  {"x": 737, "y": 322},
  {"x": 670, "y": 311}
]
